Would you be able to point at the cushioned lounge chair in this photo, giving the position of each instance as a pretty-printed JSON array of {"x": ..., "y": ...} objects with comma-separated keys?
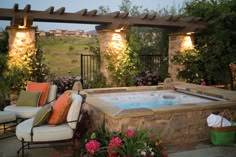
[
  {"x": 45, "y": 133},
  {"x": 26, "y": 112}
]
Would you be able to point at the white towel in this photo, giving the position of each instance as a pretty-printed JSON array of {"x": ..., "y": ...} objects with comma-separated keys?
[{"x": 215, "y": 121}]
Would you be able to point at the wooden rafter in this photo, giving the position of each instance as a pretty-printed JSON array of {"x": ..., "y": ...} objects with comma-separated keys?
[
  {"x": 92, "y": 12},
  {"x": 152, "y": 16},
  {"x": 82, "y": 12},
  {"x": 124, "y": 15},
  {"x": 15, "y": 7},
  {"x": 144, "y": 15},
  {"x": 27, "y": 8},
  {"x": 114, "y": 14},
  {"x": 50, "y": 10},
  {"x": 111, "y": 20},
  {"x": 60, "y": 10}
]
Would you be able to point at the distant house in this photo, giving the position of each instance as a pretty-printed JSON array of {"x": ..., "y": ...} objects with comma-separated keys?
[
  {"x": 42, "y": 33},
  {"x": 60, "y": 33}
]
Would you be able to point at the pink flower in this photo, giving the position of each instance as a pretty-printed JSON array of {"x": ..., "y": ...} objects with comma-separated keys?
[
  {"x": 114, "y": 143},
  {"x": 92, "y": 146},
  {"x": 203, "y": 83},
  {"x": 130, "y": 133}
]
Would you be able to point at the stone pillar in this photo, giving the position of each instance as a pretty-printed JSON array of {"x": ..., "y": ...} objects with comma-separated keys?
[
  {"x": 178, "y": 43},
  {"x": 115, "y": 44},
  {"x": 20, "y": 39}
]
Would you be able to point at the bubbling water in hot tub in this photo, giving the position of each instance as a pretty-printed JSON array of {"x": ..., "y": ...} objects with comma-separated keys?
[{"x": 150, "y": 99}]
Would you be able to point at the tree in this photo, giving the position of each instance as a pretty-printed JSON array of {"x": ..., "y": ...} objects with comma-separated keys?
[{"x": 216, "y": 44}]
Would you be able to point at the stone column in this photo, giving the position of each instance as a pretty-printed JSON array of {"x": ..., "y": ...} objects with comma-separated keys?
[
  {"x": 20, "y": 39},
  {"x": 178, "y": 43},
  {"x": 115, "y": 44}
]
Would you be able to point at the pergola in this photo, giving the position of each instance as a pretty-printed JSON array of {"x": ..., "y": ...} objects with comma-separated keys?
[
  {"x": 113, "y": 20},
  {"x": 109, "y": 26}
]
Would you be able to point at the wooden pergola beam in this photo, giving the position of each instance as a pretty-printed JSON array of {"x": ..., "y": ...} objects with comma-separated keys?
[{"x": 84, "y": 17}]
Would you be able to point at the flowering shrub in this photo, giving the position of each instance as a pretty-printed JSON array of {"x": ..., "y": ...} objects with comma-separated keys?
[
  {"x": 146, "y": 78},
  {"x": 64, "y": 83},
  {"x": 92, "y": 146},
  {"x": 128, "y": 143},
  {"x": 114, "y": 144}
]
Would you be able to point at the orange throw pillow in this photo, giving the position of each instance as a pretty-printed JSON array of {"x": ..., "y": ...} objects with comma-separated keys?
[
  {"x": 39, "y": 87},
  {"x": 60, "y": 109}
]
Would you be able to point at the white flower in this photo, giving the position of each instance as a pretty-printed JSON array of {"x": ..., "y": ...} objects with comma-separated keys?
[{"x": 143, "y": 153}]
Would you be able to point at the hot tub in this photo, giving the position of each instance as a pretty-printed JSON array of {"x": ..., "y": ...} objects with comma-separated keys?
[
  {"x": 152, "y": 99},
  {"x": 178, "y": 114}
]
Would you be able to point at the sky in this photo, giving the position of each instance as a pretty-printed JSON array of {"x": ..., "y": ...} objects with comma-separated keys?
[{"x": 77, "y": 5}]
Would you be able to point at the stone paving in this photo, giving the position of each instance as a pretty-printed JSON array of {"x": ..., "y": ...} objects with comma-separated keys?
[{"x": 9, "y": 147}]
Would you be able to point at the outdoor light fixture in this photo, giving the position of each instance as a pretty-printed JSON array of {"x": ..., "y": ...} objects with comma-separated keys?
[{"x": 189, "y": 33}]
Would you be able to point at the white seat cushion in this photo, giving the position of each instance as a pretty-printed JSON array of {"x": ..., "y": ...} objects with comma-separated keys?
[
  {"x": 74, "y": 110},
  {"x": 43, "y": 133},
  {"x": 24, "y": 112},
  {"x": 7, "y": 117}
]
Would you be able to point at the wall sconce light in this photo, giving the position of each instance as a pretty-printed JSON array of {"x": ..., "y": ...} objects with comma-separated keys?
[
  {"x": 189, "y": 33},
  {"x": 121, "y": 28}
]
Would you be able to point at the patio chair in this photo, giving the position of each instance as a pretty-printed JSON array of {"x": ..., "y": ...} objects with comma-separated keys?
[
  {"x": 26, "y": 112},
  {"x": 45, "y": 133}
]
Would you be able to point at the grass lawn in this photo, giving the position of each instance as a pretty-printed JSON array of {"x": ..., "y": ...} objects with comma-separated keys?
[{"x": 62, "y": 54}]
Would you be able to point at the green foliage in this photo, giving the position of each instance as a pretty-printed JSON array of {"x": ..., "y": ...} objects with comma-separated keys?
[
  {"x": 194, "y": 69},
  {"x": 149, "y": 41},
  {"x": 71, "y": 48},
  {"x": 17, "y": 77},
  {"x": 34, "y": 60},
  {"x": 121, "y": 69},
  {"x": 3, "y": 63},
  {"x": 98, "y": 81},
  {"x": 4, "y": 43},
  {"x": 216, "y": 44}
]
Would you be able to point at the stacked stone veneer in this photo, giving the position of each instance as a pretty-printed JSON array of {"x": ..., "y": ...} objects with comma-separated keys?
[
  {"x": 110, "y": 42},
  {"x": 175, "y": 127},
  {"x": 177, "y": 43},
  {"x": 20, "y": 39}
]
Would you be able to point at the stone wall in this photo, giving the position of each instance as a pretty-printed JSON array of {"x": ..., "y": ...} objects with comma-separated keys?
[
  {"x": 177, "y": 43},
  {"x": 110, "y": 42},
  {"x": 183, "y": 126},
  {"x": 20, "y": 39}
]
